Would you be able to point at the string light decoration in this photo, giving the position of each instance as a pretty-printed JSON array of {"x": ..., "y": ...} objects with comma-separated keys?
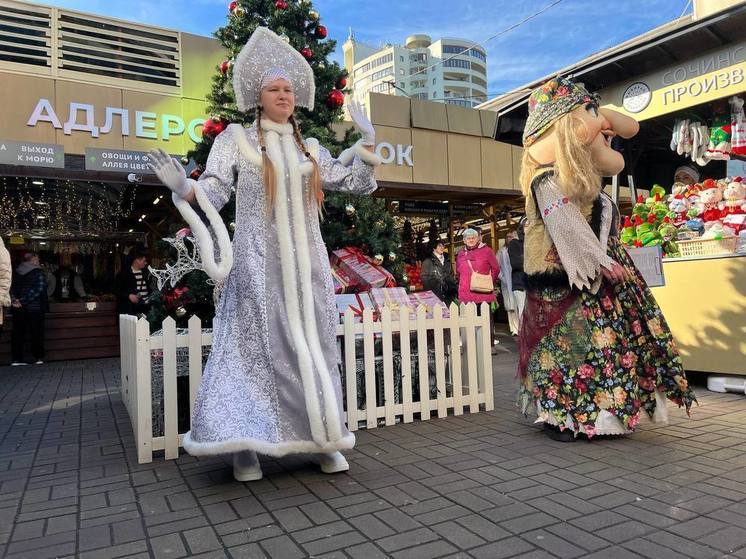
[{"x": 63, "y": 207}]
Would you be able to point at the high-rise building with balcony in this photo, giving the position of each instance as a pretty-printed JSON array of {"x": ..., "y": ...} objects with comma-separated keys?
[{"x": 448, "y": 70}]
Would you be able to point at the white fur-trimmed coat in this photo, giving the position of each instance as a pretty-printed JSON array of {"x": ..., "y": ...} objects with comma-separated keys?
[{"x": 271, "y": 383}]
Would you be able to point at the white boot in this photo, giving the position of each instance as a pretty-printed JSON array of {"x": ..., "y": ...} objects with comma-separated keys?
[
  {"x": 333, "y": 463},
  {"x": 246, "y": 466}
]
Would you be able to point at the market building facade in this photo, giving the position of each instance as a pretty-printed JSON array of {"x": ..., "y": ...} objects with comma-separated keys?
[
  {"x": 86, "y": 97},
  {"x": 83, "y": 100}
]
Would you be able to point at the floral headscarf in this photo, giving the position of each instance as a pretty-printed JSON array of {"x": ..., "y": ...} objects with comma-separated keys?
[{"x": 551, "y": 101}]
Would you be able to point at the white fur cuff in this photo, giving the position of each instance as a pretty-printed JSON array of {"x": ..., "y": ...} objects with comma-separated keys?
[{"x": 368, "y": 157}]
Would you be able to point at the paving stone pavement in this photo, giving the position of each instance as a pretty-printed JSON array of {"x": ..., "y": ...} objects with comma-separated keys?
[{"x": 487, "y": 485}]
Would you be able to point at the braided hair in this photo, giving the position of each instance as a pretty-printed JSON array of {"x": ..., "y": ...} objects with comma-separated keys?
[
  {"x": 269, "y": 177},
  {"x": 315, "y": 190}
]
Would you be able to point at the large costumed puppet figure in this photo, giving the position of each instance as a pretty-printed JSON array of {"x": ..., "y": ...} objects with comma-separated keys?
[
  {"x": 271, "y": 384},
  {"x": 595, "y": 350}
]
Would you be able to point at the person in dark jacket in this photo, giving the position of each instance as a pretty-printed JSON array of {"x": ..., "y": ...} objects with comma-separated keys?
[
  {"x": 29, "y": 302},
  {"x": 437, "y": 274},
  {"x": 133, "y": 286},
  {"x": 518, "y": 276}
]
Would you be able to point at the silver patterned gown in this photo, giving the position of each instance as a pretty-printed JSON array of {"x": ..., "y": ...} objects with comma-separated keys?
[{"x": 271, "y": 383}]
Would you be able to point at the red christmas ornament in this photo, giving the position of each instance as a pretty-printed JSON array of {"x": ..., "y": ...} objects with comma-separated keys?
[
  {"x": 281, "y": 5},
  {"x": 232, "y": 6},
  {"x": 225, "y": 66},
  {"x": 341, "y": 83},
  {"x": 321, "y": 32},
  {"x": 307, "y": 53},
  {"x": 195, "y": 174},
  {"x": 213, "y": 127},
  {"x": 336, "y": 99}
]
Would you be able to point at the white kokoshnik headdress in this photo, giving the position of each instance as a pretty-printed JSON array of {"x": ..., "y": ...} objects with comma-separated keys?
[{"x": 264, "y": 59}]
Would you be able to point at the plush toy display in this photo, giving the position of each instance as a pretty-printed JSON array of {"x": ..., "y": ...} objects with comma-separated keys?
[
  {"x": 659, "y": 207},
  {"x": 692, "y": 193},
  {"x": 719, "y": 148},
  {"x": 735, "y": 198},
  {"x": 629, "y": 234},
  {"x": 679, "y": 188},
  {"x": 678, "y": 206},
  {"x": 656, "y": 194},
  {"x": 710, "y": 202},
  {"x": 668, "y": 232},
  {"x": 691, "y": 210},
  {"x": 641, "y": 209},
  {"x": 647, "y": 232}
]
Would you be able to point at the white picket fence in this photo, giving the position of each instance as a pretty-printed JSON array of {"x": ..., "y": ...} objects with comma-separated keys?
[{"x": 459, "y": 343}]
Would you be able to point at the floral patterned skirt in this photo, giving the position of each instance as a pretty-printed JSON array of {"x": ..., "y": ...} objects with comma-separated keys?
[{"x": 593, "y": 362}]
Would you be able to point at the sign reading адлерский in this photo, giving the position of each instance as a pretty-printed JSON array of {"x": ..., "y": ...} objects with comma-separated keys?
[
  {"x": 116, "y": 160},
  {"x": 30, "y": 154}
]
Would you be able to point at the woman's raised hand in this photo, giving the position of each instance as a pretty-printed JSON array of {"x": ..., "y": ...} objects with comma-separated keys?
[
  {"x": 362, "y": 123},
  {"x": 170, "y": 173}
]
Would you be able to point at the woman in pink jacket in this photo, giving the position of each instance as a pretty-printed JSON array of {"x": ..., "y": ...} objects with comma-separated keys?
[{"x": 476, "y": 257}]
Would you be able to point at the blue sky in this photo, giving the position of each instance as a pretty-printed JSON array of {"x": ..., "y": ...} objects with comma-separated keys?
[{"x": 565, "y": 34}]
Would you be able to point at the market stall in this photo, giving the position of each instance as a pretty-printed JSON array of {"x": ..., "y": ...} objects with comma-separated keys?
[
  {"x": 704, "y": 302},
  {"x": 689, "y": 156}
]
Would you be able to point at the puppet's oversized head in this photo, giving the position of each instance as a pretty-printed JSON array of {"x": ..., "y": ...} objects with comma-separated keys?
[{"x": 566, "y": 129}]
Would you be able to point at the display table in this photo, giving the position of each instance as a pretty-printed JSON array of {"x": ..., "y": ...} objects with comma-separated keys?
[
  {"x": 72, "y": 331},
  {"x": 704, "y": 302}
]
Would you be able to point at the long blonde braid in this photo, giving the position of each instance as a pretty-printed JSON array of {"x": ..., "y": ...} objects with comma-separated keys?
[
  {"x": 269, "y": 175},
  {"x": 314, "y": 182}
]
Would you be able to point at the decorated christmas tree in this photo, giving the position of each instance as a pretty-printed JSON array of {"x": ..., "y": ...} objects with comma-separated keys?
[{"x": 349, "y": 220}]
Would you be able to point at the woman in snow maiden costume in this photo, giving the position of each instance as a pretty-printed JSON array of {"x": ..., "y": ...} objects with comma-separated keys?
[
  {"x": 595, "y": 350},
  {"x": 271, "y": 385}
]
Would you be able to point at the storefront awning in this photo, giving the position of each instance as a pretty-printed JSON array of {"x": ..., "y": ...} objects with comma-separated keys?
[{"x": 409, "y": 191}]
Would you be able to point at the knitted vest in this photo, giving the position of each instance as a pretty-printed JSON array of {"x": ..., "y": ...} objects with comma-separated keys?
[{"x": 541, "y": 263}]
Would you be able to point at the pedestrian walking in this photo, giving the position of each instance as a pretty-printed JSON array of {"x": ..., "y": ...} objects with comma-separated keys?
[{"x": 29, "y": 302}]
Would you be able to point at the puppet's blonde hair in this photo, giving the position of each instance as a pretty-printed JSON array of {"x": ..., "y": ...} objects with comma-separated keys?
[{"x": 573, "y": 168}]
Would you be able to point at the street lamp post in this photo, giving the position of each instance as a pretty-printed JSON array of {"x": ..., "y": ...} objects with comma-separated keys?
[{"x": 393, "y": 84}]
